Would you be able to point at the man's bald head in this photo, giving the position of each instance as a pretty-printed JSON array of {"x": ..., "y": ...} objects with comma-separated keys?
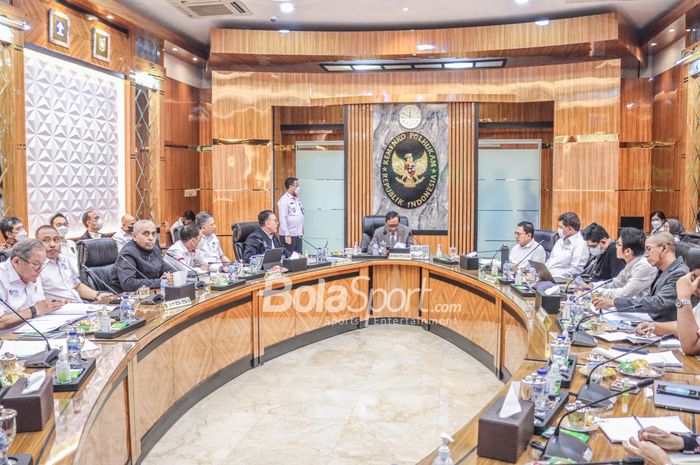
[
  {"x": 128, "y": 221},
  {"x": 145, "y": 234}
]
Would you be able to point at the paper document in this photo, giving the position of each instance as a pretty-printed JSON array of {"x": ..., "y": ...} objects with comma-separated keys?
[
  {"x": 627, "y": 316},
  {"x": 612, "y": 337},
  {"x": 659, "y": 359},
  {"x": 46, "y": 323},
  {"x": 672, "y": 343},
  {"x": 28, "y": 348},
  {"x": 622, "y": 428},
  {"x": 80, "y": 309}
]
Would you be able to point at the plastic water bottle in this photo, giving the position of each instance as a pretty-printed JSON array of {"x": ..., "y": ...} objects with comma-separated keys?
[
  {"x": 438, "y": 252},
  {"x": 73, "y": 345},
  {"x": 356, "y": 249},
  {"x": 125, "y": 310},
  {"x": 539, "y": 389},
  {"x": 105, "y": 320},
  {"x": 443, "y": 457},
  {"x": 375, "y": 248},
  {"x": 163, "y": 284},
  {"x": 519, "y": 277},
  {"x": 553, "y": 381},
  {"x": 63, "y": 369}
]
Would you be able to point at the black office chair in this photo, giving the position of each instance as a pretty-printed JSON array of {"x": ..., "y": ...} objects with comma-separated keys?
[
  {"x": 176, "y": 233},
  {"x": 548, "y": 238},
  {"x": 371, "y": 223},
  {"x": 99, "y": 256},
  {"x": 241, "y": 231},
  {"x": 683, "y": 249}
]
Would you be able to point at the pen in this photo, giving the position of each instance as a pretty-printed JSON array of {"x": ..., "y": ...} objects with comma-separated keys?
[{"x": 641, "y": 427}]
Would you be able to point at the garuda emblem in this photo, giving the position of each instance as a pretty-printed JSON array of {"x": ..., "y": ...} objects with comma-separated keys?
[{"x": 408, "y": 169}]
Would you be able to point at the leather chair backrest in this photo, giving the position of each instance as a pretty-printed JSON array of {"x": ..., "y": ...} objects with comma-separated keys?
[
  {"x": 176, "y": 233},
  {"x": 4, "y": 255},
  {"x": 99, "y": 256},
  {"x": 241, "y": 231},
  {"x": 371, "y": 223},
  {"x": 687, "y": 250},
  {"x": 549, "y": 238}
]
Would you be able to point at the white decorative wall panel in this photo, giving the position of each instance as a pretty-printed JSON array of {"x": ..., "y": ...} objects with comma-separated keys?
[{"x": 75, "y": 142}]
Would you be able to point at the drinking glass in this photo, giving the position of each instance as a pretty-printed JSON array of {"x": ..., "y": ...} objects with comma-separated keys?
[
  {"x": 8, "y": 422},
  {"x": 453, "y": 253}
]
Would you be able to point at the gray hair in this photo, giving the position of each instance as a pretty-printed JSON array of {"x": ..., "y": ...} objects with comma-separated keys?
[
  {"x": 142, "y": 224},
  {"x": 202, "y": 217},
  {"x": 664, "y": 238},
  {"x": 24, "y": 248}
]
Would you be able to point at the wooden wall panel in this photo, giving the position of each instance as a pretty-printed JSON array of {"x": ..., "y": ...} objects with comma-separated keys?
[
  {"x": 461, "y": 216},
  {"x": 396, "y": 291},
  {"x": 181, "y": 112},
  {"x": 247, "y": 168},
  {"x": 635, "y": 169},
  {"x": 358, "y": 129},
  {"x": 599, "y": 206},
  {"x": 181, "y": 168},
  {"x": 636, "y": 107},
  {"x": 37, "y": 15},
  {"x": 153, "y": 387}
]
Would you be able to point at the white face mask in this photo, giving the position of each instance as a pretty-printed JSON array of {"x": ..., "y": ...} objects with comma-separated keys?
[
  {"x": 656, "y": 224},
  {"x": 595, "y": 251},
  {"x": 99, "y": 223},
  {"x": 560, "y": 231},
  {"x": 296, "y": 190},
  {"x": 21, "y": 235},
  {"x": 62, "y": 231}
]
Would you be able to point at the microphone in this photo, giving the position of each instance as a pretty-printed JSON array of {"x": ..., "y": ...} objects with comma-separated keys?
[
  {"x": 44, "y": 359},
  {"x": 199, "y": 284},
  {"x": 580, "y": 338},
  {"x": 568, "y": 446},
  {"x": 151, "y": 300},
  {"x": 592, "y": 289},
  {"x": 539, "y": 244},
  {"x": 413, "y": 238},
  {"x": 595, "y": 392}
]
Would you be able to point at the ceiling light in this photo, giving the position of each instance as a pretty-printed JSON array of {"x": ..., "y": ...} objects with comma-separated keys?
[
  {"x": 542, "y": 22},
  {"x": 405, "y": 8},
  {"x": 459, "y": 65},
  {"x": 428, "y": 66},
  {"x": 366, "y": 67},
  {"x": 284, "y": 31},
  {"x": 286, "y": 7},
  {"x": 174, "y": 49},
  {"x": 338, "y": 67},
  {"x": 687, "y": 30},
  {"x": 110, "y": 17},
  {"x": 425, "y": 47},
  {"x": 653, "y": 44},
  {"x": 195, "y": 59},
  {"x": 521, "y": 2},
  {"x": 91, "y": 18},
  {"x": 396, "y": 67},
  {"x": 671, "y": 30}
]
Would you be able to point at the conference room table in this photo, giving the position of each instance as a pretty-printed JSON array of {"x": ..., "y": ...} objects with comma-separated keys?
[{"x": 147, "y": 379}]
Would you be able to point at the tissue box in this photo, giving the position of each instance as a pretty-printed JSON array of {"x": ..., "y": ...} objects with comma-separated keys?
[
  {"x": 33, "y": 410},
  {"x": 550, "y": 303},
  {"x": 468, "y": 263},
  {"x": 180, "y": 292},
  {"x": 505, "y": 438},
  {"x": 295, "y": 264}
]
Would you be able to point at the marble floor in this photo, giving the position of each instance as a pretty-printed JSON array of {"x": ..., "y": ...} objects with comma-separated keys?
[{"x": 377, "y": 396}]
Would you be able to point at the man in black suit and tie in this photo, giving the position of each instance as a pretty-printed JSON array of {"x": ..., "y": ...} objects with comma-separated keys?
[{"x": 263, "y": 238}]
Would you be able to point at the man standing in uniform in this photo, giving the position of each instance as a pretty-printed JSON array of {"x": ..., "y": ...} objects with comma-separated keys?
[{"x": 291, "y": 216}]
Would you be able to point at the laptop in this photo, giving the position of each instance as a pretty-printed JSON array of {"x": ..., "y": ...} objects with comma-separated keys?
[
  {"x": 272, "y": 258},
  {"x": 545, "y": 274}
]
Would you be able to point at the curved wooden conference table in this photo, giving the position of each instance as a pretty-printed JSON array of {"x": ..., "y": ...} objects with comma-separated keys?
[{"x": 146, "y": 380}]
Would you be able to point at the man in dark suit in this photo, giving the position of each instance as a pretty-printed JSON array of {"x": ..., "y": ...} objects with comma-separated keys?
[
  {"x": 93, "y": 223},
  {"x": 263, "y": 238}
]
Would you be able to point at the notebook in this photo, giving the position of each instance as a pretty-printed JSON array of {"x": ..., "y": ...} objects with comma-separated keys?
[{"x": 620, "y": 429}]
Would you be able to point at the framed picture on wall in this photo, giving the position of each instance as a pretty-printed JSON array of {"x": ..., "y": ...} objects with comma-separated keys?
[
  {"x": 59, "y": 28},
  {"x": 100, "y": 44}
]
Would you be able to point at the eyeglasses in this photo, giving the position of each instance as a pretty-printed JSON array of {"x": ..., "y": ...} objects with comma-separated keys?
[
  {"x": 517, "y": 234},
  {"x": 649, "y": 248},
  {"x": 36, "y": 268}
]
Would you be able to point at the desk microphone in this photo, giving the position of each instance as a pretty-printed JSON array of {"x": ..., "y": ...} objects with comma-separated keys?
[
  {"x": 44, "y": 359},
  {"x": 199, "y": 284},
  {"x": 592, "y": 289},
  {"x": 595, "y": 392},
  {"x": 151, "y": 300},
  {"x": 413, "y": 238},
  {"x": 580, "y": 338},
  {"x": 568, "y": 446},
  {"x": 539, "y": 244}
]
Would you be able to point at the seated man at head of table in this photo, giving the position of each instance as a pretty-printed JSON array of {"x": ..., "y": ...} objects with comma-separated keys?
[
  {"x": 181, "y": 254},
  {"x": 660, "y": 304},
  {"x": 140, "y": 262},
  {"x": 57, "y": 278},
  {"x": 263, "y": 238},
  {"x": 20, "y": 284},
  {"x": 209, "y": 249},
  {"x": 570, "y": 253},
  {"x": 393, "y": 233},
  {"x": 636, "y": 278},
  {"x": 526, "y": 246},
  {"x": 603, "y": 262}
]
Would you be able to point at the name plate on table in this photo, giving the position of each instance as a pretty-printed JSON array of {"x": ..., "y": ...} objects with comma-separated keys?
[
  {"x": 399, "y": 256},
  {"x": 273, "y": 275},
  {"x": 341, "y": 262},
  {"x": 171, "y": 304}
]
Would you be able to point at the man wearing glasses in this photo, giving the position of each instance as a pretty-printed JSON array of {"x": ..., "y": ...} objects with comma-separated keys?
[
  {"x": 393, "y": 233},
  {"x": 20, "y": 285},
  {"x": 660, "y": 252},
  {"x": 526, "y": 245},
  {"x": 263, "y": 238}
]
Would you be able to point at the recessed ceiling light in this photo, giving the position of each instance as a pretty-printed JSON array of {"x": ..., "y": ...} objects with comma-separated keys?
[
  {"x": 687, "y": 30},
  {"x": 91, "y": 18},
  {"x": 521, "y": 2},
  {"x": 286, "y": 7},
  {"x": 671, "y": 30},
  {"x": 110, "y": 17},
  {"x": 653, "y": 44},
  {"x": 542, "y": 22},
  {"x": 174, "y": 49},
  {"x": 366, "y": 67},
  {"x": 425, "y": 47},
  {"x": 459, "y": 65},
  {"x": 405, "y": 8},
  {"x": 284, "y": 31},
  {"x": 195, "y": 59}
]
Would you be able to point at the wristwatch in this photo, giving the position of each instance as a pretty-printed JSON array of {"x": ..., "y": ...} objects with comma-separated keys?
[
  {"x": 33, "y": 310},
  {"x": 682, "y": 302}
]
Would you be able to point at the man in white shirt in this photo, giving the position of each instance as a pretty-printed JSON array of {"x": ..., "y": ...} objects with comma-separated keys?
[
  {"x": 188, "y": 217},
  {"x": 636, "y": 278},
  {"x": 570, "y": 253},
  {"x": 20, "y": 284},
  {"x": 181, "y": 254},
  {"x": 209, "y": 249},
  {"x": 68, "y": 248},
  {"x": 126, "y": 232},
  {"x": 291, "y": 216},
  {"x": 526, "y": 248},
  {"x": 57, "y": 279},
  {"x": 93, "y": 223}
]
